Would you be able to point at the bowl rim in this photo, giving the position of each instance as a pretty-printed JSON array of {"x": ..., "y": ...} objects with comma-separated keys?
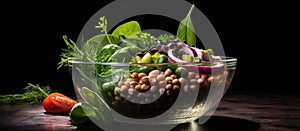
[{"x": 223, "y": 59}]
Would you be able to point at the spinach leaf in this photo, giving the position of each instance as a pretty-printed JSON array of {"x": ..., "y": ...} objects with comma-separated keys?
[
  {"x": 127, "y": 30},
  {"x": 125, "y": 54},
  {"x": 186, "y": 30},
  {"x": 101, "y": 40},
  {"x": 104, "y": 54}
]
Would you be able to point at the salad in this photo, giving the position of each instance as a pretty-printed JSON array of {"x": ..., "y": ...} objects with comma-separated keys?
[{"x": 159, "y": 68}]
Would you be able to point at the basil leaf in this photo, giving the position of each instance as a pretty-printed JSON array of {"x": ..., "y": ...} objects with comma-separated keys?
[
  {"x": 185, "y": 31},
  {"x": 103, "y": 113},
  {"x": 128, "y": 30}
]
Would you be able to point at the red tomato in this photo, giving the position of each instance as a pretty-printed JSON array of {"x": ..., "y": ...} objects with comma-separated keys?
[{"x": 58, "y": 103}]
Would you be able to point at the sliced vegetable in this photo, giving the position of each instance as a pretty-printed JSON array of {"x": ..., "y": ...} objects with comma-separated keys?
[
  {"x": 146, "y": 58},
  {"x": 162, "y": 59},
  {"x": 174, "y": 59}
]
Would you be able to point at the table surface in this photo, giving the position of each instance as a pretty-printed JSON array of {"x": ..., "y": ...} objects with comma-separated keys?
[{"x": 246, "y": 112}]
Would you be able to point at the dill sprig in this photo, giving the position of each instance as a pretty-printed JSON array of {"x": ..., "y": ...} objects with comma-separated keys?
[{"x": 32, "y": 94}]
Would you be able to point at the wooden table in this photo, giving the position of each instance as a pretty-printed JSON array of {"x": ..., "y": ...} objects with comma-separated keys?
[{"x": 235, "y": 112}]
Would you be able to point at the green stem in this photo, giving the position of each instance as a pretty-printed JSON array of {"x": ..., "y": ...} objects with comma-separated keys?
[
  {"x": 39, "y": 88},
  {"x": 107, "y": 37}
]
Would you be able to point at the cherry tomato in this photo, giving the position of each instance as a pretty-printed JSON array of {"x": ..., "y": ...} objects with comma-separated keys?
[{"x": 58, "y": 103}]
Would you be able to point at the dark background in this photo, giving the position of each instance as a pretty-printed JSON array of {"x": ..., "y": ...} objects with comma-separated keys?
[{"x": 32, "y": 41}]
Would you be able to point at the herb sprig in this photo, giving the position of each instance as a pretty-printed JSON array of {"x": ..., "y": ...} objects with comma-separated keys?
[{"x": 32, "y": 94}]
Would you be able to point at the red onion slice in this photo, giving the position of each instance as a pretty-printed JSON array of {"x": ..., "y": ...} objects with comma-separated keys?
[{"x": 174, "y": 59}]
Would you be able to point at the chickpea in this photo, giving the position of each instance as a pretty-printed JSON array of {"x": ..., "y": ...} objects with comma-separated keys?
[
  {"x": 197, "y": 76},
  {"x": 154, "y": 73},
  {"x": 175, "y": 82},
  {"x": 210, "y": 79},
  {"x": 162, "y": 84},
  {"x": 200, "y": 81},
  {"x": 161, "y": 91},
  {"x": 173, "y": 76},
  {"x": 145, "y": 79},
  {"x": 133, "y": 84},
  {"x": 153, "y": 88},
  {"x": 169, "y": 80},
  {"x": 168, "y": 72},
  {"x": 161, "y": 77},
  {"x": 176, "y": 88},
  {"x": 134, "y": 75},
  {"x": 124, "y": 88},
  {"x": 134, "y": 79},
  {"x": 127, "y": 83},
  {"x": 120, "y": 83},
  {"x": 183, "y": 81},
  {"x": 145, "y": 87},
  {"x": 193, "y": 81},
  {"x": 193, "y": 87},
  {"x": 153, "y": 82},
  {"x": 137, "y": 87},
  {"x": 169, "y": 86},
  {"x": 140, "y": 75},
  {"x": 186, "y": 88},
  {"x": 130, "y": 91},
  {"x": 192, "y": 75},
  {"x": 117, "y": 90}
]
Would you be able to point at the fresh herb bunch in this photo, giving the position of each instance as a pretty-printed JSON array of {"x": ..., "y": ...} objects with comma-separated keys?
[{"x": 32, "y": 94}]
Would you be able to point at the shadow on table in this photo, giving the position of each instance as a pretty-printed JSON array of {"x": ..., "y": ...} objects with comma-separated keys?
[{"x": 215, "y": 123}]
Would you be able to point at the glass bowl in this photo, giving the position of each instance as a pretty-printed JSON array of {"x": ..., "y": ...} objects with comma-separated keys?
[{"x": 165, "y": 93}]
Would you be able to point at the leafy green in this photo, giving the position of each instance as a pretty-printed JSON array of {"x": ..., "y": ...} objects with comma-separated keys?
[
  {"x": 125, "y": 54},
  {"x": 32, "y": 94},
  {"x": 127, "y": 30},
  {"x": 106, "y": 52},
  {"x": 186, "y": 30},
  {"x": 99, "y": 41}
]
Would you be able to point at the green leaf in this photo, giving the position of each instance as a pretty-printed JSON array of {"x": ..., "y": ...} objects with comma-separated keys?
[
  {"x": 104, "y": 112},
  {"x": 128, "y": 30},
  {"x": 125, "y": 54},
  {"x": 186, "y": 30}
]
